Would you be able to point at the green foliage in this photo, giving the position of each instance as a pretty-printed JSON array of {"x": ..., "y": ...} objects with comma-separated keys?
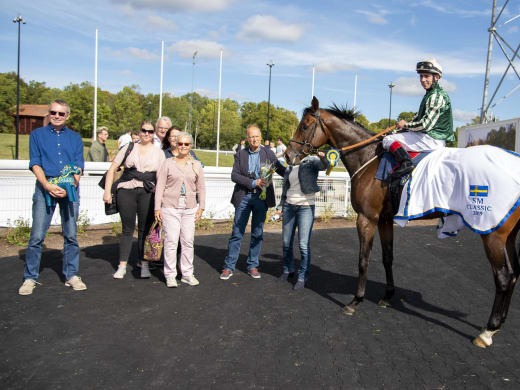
[
  {"x": 407, "y": 116},
  {"x": 116, "y": 228},
  {"x": 19, "y": 233},
  {"x": 381, "y": 125},
  {"x": 327, "y": 213},
  {"x": 205, "y": 223}
]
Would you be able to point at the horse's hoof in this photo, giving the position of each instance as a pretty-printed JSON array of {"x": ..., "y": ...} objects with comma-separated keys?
[
  {"x": 348, "y": 310},
  {"x": 384, "y": 303},
  {"x": 477, "y": 341}
]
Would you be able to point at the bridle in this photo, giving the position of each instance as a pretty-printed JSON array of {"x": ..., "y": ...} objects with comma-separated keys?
[{"x": 307, "y": 142}]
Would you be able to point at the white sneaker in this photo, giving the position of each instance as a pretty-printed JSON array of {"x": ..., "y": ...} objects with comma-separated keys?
[
  {"x": 145, "y": 271},
  {"x": 76, "y": 283},
  {"x": 191, "y": 280},
  {"x": 171, "y": 282},
  {"x": 27, "y": 287},
  {"x": 120, "y": 273}
]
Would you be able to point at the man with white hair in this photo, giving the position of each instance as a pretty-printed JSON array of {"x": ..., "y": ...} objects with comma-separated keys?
[
  {"x": 161, "y": 127},
  {"x": 431, "y": 126}
]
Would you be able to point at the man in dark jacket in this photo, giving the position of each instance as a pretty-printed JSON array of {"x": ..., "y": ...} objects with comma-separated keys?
[{"x": 246, "y": 199}]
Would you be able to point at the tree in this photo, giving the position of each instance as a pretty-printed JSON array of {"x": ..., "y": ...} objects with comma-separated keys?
[
  {"x": 127, "y": 111},
  {"x": 363, "y": 121},
  {"x": 381, "y": 125},
  {"x": 407, "y": 116},
  {"x": 8, "y": 101}
]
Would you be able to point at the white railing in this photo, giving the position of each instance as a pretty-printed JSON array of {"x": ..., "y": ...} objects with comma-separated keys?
[{"x": 17, "y": 184}]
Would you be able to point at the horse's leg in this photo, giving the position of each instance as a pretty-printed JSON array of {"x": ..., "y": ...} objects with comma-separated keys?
[
  {"x": 366, "y": 229},
  {"x": 495, "y": 247},
  {"x": 512, "y": 257},
  {"x": 386, "y": 234}
]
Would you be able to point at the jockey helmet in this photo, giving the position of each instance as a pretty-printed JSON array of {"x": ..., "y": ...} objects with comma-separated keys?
[{"x": 429, "y": 65}]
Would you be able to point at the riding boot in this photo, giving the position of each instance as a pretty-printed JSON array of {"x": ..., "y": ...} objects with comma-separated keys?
[{"x": 402, "y": 157}]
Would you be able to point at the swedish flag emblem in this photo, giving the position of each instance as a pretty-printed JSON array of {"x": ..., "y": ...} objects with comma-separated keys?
[{"x": 475, "y": 190}]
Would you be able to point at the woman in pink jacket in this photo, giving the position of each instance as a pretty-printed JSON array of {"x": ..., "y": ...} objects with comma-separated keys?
[{"x": 179, "y": 180}]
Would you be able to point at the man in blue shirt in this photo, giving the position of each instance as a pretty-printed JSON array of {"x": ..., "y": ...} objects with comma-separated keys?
[
  {"x": 51, "y": 148},
  {"x": 246, "y": 199}
]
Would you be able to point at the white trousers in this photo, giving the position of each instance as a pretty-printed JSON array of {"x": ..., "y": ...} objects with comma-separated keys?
[
  {"x": 178, "y": 222},
  {"x": 413, "y": 141}
]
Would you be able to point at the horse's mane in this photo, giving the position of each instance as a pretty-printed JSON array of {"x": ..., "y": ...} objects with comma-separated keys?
[{"x": 344, "y": 113}]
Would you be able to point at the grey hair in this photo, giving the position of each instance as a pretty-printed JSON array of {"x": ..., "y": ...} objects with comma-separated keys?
[
  {"x": 61, "y": 102},
  {"x": 166, "y": 119},
  {"x": 102, "y": 128},
  {"x": 184, "y": 134}
]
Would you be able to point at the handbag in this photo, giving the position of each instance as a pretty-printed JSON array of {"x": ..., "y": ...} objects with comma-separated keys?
[
  {"x": 153, "y": 243},
  {"x": 111, "y": 208}
]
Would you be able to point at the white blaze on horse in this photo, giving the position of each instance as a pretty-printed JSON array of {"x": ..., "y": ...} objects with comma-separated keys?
[{"x": 370, "y": 199}]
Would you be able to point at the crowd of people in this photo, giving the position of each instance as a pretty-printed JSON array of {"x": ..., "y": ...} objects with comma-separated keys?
[{"x": 163, "y": 181}]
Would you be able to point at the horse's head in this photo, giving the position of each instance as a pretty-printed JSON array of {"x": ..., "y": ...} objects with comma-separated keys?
[{"x": 310, "y": 134}]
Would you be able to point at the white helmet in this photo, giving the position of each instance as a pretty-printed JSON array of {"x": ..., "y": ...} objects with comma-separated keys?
[{"x": 429, "y": 65}]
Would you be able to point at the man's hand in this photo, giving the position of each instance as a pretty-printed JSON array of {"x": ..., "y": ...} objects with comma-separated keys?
[
  {"x": 400, "y": 124},
  {"x": 76, "y": 180},
  {"x": 261, "y": 183},
  {"x": 55, "y": 191}
]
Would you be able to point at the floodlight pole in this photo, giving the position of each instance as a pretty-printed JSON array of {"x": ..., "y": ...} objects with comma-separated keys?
[
  {"x": 270, "y": 65},
  {"x": 18, "y": 20},
  {"x": 391, "y": 86},
  {"x": 492, "y": 29}
]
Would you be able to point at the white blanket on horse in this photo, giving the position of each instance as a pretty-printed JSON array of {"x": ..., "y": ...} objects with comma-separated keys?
[{"x": 478, "y": 187}]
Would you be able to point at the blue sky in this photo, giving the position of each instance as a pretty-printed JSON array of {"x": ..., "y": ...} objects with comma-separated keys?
[{"x": 380, "y": 41}]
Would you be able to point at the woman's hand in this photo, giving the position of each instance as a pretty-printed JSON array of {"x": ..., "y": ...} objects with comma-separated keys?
[
  {"x": 107, "y": 197},
  {"x": 158, "y": 216},
  {"x": 198, "y": 214},
  {"x": 321, "y": 154}
]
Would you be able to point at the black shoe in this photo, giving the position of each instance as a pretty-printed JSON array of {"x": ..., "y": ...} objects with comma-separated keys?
[
  {"x": 285, "y": 276},
  {"x": 404, "y": 169}
]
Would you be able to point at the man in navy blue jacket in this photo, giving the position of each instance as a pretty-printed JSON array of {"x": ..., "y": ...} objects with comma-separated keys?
[
  {"x": 51, "y": 149},
  {"x": 246, "y": 199}
]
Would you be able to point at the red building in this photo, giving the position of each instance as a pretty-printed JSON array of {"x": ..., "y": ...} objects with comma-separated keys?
[{"x": 32, "y": 116}]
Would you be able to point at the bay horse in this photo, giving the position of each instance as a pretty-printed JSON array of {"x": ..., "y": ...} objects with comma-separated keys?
[{"x": 370, "y": 199}]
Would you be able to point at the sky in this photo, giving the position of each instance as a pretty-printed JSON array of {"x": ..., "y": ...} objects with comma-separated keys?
[{"x": 376, "y": 42}]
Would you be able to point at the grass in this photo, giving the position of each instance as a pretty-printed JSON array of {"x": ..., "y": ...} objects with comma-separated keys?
[{"x": 8, "y": 150}]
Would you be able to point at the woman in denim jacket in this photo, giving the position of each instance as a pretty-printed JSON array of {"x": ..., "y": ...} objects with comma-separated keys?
[{"x": 300, "y": 184}]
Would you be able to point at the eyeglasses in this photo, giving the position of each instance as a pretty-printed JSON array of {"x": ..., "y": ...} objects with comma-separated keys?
[
  {"x": 183, "y": 143},
  {"x": 172, "y": 137},
  {"x": 58, "y": 112},
  {"x": 148, "y": 131}
]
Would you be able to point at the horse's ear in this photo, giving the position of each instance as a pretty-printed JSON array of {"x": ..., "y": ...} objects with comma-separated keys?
[{"x": 315, "y": 104}]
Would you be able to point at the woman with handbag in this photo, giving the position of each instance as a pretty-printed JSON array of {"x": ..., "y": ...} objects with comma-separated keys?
[
  {"x": 135, "y": 195},
  {"x": 179, "y": 181}
]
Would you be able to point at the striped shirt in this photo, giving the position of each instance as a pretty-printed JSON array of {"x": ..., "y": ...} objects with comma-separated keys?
[{"x": 434, "y": 117}]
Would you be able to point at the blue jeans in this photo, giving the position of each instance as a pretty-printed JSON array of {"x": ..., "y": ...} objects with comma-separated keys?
[
  {"x": 251, "y": 203},
  {"x": 42, "y": 216},
  {"x": 303, "y": 218}
]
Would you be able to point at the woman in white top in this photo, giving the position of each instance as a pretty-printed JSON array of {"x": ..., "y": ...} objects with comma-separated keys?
[
  {"x": 135, "y": 195},
  {"x": 300, "y": 184}
]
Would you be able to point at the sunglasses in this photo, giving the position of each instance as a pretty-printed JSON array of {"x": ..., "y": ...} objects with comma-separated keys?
[
  {"x": 148, "y": 131},
  {"x": 58, "y": 112},
  {"x": 183, "y": 143}
]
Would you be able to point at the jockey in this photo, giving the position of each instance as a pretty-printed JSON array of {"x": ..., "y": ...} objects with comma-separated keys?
[{"x": 431, "y": 126}]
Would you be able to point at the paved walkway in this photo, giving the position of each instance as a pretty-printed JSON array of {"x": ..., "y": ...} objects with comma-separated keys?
[{"x": 245, "y": 333}]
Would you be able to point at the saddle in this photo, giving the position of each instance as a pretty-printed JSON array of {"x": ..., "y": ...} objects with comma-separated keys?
[{"x": 385, "y": 170}]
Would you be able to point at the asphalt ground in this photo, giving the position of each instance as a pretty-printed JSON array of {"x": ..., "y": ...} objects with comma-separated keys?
[{"x": 260, "y": 334}]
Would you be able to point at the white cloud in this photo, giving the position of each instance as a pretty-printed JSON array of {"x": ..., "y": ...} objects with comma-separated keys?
[
  {"x": 157, "y": 22},
  {"x": 126, "y": 73},
  {"x": 408, "y": 86},
  {"x": 374, "y": 17},
  {"x": 205, "y": 49},
  {"x": 206, "y": 92},
  {"x": 329, "y": 67},
  {"x": 463, "y": 116},
  {"x": 411, "y": 86},
  {"x": 178, "y": 5},
  {"x": 142, "y": 54},
  {"x": 269, "y": 28},
  {"x": 449, "y": 9}
]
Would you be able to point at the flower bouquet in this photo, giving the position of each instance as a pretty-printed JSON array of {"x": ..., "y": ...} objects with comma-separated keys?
[{"x": 266, "y": 172}]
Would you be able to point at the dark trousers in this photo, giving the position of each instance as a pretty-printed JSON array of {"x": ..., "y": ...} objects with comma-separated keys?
[{"x": 132, "y": 203}]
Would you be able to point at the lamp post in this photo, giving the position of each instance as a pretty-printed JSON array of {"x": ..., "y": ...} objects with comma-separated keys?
[
  {"x": 391, "y": 85},
  {"x": 270, "y": 65},
  {"x": 192, "y": 91},
  {"x": 18, "y": 20}
]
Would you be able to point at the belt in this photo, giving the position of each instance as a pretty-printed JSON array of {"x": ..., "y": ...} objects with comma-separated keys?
[{"x": 253, "y": 191}]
